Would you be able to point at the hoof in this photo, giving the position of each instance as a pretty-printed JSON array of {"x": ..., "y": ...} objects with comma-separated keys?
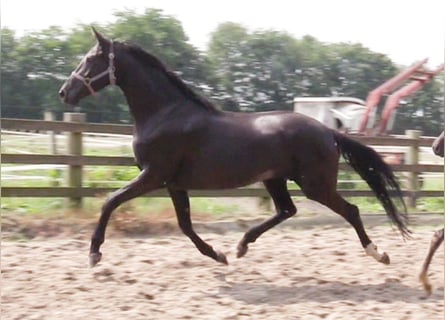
[
  {"x": 385, "y": 259},
  {"x": 428, "y": 289},
  {"x": 426, "y": 285},
  {"x": 221, "y": 257},
  {"x": 242, "y": 250},
  {"x": 95, "y": 258}
]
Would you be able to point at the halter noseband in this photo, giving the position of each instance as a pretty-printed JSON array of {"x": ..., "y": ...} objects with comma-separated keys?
[{"x": 87, "y": 81}]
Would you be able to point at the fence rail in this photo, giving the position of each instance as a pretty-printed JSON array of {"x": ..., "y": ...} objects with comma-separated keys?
[
  {"x": 84, "y": 192},
  {"x": 13, "y": 158},
  {"x": 63, "y": 126},
  {"x": 76, "y": 161}
]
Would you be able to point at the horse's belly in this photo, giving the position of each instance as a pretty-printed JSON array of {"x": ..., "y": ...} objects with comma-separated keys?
[
  {"x": 222, "y": 177},
  {"x": 235, "y": 160}
]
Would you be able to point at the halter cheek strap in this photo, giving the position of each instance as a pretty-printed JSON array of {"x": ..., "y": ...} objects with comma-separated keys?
[{"x": 87, "y": 81}]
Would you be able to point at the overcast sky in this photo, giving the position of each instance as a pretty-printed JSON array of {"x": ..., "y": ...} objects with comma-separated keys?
[{"x": 407, "y": 31}]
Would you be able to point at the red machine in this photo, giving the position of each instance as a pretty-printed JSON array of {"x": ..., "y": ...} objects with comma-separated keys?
[{"x": 417, "y": 76}]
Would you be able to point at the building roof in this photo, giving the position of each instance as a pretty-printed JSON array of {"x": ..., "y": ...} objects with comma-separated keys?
[{"x": 330, "y": 99}]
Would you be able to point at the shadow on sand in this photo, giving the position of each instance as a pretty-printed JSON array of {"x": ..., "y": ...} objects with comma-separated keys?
[{"x": 313, "y": 289}]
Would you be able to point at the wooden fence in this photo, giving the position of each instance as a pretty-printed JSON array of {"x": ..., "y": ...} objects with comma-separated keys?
[{"x": 75, "y": 127}]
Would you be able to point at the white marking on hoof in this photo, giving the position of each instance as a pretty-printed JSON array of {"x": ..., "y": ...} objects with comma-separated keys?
[{"x": 371, "y": 250}]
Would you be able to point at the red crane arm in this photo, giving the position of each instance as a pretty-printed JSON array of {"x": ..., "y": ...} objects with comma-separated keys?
[{"x": 375, "y": 95}]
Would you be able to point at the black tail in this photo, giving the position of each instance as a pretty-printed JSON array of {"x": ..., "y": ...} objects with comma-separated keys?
[{"x": 378, "y": 175}]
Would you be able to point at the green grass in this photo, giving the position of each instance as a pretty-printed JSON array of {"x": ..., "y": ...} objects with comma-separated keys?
[
  {"x": 34, "y": 206},
  {"x": 429, "y": 205},
  {"x": 433, "y": 183},
  {"x": 144, "y": 206}
]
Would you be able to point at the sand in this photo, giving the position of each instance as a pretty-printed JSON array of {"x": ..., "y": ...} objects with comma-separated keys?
[{"x": 312, "y": 272}]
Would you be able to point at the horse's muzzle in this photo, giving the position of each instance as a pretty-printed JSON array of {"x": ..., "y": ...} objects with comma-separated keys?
[
  {"x": 66, "y": 95},
  {"x": 62, "y": 93}
]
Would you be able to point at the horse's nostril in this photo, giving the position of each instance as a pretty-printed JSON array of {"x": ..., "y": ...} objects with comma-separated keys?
[{"x": 62, "y": 93}]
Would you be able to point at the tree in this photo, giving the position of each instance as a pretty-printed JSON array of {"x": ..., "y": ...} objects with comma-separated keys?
[
  {"x": 39, "y": 62},
  {"x": 12, "y": 75},
  {"x": 225, "y": 55},
  {"x": 354, "y": 70},
  {"x": 265, "y": 70},
  {"x": 255, "y": 72},
  {"x": 241, "y": 70},
  {"x": 163, "y": 36},
  {"x": 423, "y": 111},
  {"x": 31, "y": 68}
]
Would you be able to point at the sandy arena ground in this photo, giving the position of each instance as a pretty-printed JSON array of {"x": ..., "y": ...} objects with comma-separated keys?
[{"x": 316, "y": 272}]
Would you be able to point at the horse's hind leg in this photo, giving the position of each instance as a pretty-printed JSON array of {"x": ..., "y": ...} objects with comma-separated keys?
[
  {"x": 182, "y": 206},
  {"x": 324, "y": 192},
  {"x": 435, "y": 243},
  {"x": 285, "y": 208}
]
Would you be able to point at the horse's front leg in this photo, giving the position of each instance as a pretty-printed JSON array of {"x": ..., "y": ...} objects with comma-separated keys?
[
  {"x": 435, "y": 243},
  {"x": 182, "y": 206},
  {"x": 139, "y": 186}
]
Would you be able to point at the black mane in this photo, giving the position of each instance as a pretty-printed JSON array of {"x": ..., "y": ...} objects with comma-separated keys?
[{"x": 171, "y": 75}]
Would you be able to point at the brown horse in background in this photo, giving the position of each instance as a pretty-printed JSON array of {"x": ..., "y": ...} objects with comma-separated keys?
[{"x": 436, "y": 241}]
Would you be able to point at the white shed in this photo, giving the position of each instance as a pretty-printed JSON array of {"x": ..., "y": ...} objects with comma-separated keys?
[{"x": 342, "y": 113}]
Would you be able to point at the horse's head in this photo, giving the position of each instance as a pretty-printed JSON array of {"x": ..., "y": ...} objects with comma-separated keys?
[
  {"x": 438, "y": 145},
  {"x": 94, "y": 72}
]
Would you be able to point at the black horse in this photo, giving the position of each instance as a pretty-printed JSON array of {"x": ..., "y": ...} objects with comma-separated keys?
[
  {"x": 436, "y": 241},
  {"x": 182, "y": 142}
]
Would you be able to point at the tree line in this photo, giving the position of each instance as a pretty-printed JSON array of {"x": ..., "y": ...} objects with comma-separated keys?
[{"x": 240, "y": 70}]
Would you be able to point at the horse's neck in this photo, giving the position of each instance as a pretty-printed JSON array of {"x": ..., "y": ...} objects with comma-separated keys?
[{"x": 149, "y": 92}]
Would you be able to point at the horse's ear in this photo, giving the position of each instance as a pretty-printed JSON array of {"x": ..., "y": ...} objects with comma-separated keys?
[{"x": 103, "y": 41}]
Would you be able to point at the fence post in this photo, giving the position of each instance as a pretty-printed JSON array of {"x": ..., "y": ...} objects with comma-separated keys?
[
  {"x": 74, "y": 149},
  {"x": 412, "y": 158},
  {"x": 50, "y": 116},
  {"x": 56, "y": 173}
]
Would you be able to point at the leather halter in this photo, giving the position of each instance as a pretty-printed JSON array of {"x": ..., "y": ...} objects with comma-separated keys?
[{"x": 87, "y": 81}]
